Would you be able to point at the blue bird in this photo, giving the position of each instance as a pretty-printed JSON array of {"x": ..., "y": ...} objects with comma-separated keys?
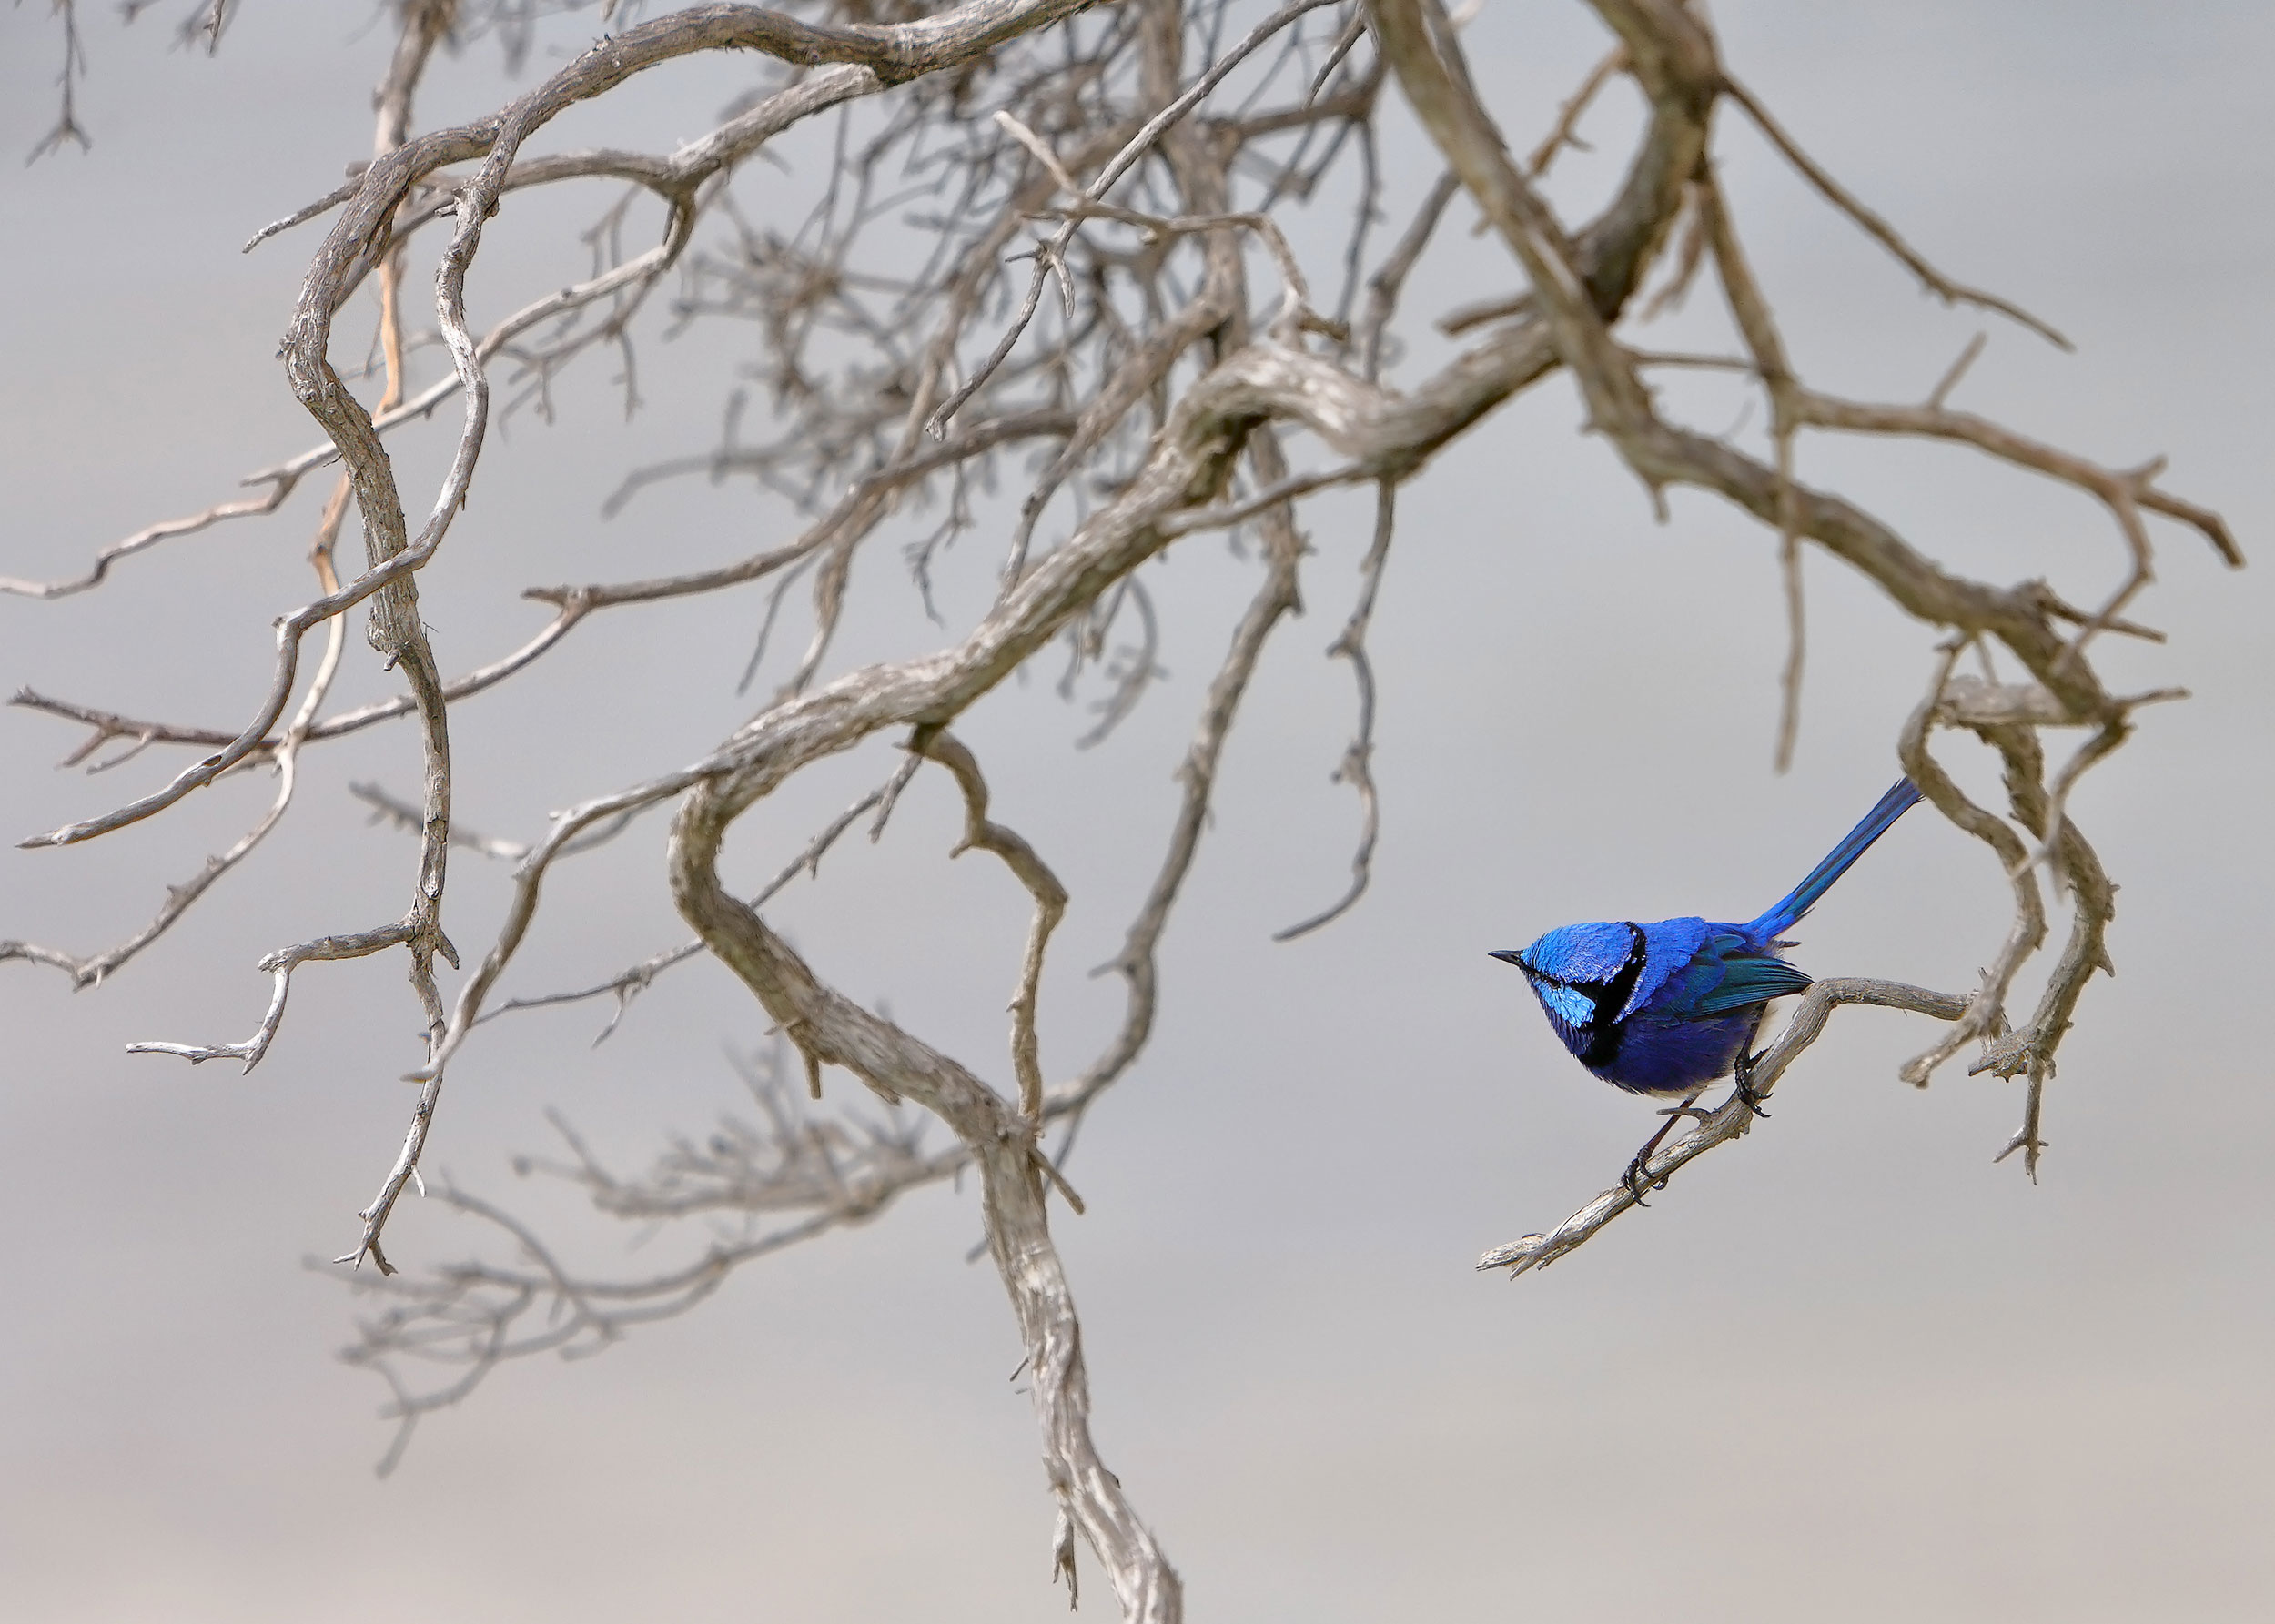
[{"x": 1665, "y": 1009}]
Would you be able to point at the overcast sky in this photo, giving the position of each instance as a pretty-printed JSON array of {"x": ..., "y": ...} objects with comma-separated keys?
[{"x": 1847, "y": 1368}]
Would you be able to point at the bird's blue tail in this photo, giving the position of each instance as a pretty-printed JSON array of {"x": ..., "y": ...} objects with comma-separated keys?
[{"x": 1900, "y": 800}]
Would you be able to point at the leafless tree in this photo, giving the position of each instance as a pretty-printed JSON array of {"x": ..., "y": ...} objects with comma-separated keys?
[{"x": 1098, "y": 304}]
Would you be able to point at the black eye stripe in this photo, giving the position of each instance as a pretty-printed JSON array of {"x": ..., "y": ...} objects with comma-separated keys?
[{"x": 1606, "y": 995}]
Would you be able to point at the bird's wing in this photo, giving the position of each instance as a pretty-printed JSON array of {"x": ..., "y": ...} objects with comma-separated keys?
[
  {"x": 1747, "y": 977},
  {"x": 1678, "y": 959}
]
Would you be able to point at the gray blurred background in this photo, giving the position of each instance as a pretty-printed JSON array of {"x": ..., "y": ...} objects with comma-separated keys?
[{"x": 1847, "y": 1368}]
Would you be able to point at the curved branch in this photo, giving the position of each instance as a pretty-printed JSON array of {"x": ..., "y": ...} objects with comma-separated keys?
[
  {"x": 982, "y": 833},
  {"x": 831, "y": 1029}
]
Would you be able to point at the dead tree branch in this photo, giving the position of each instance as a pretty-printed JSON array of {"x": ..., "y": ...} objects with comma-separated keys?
[{"x": 1046, "y": 281}]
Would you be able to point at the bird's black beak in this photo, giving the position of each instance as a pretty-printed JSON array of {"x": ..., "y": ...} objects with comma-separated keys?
[{"x": 1512, "y": 956}]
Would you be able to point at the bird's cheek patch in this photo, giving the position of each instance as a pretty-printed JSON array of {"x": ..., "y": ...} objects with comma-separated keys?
[{"x": 1568, "y": 1004}]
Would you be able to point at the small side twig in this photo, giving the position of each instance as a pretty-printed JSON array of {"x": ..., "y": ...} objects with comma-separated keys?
[
  {"x": 1358, "y": 764},
  {"x": 1878, "y": 229},
  {"x": 982, "y": 833}
]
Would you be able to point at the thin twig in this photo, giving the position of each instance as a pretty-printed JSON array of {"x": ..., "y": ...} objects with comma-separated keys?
[
  {"x": 1941, "y": 286},
  {"x": 1358, "y": 764}
]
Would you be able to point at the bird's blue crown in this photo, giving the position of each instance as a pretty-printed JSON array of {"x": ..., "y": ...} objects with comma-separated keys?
[{"x": 1579, "y": 952}]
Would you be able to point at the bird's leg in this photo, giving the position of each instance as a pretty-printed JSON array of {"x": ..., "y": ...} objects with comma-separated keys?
[
  {"x": 1636, "y": 1178},
  {"x": 1742, "y": 1074}
]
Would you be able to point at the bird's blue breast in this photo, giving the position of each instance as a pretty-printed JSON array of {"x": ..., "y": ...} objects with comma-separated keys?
[{"x": 1668, "y": 1056}]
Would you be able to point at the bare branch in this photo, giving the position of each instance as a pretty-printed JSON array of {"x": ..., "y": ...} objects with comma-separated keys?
[
  {"x": 66, "y": 125},
  {"x": 1358, "y": 766},
  {"x": 980, "y": 833},
  {"x": 1384, "y": 287},
  {"x": 790, "y": 1176},
  {"x": 1146, "y": 135},
  {"x": 831, "y": 1029},
  {"x": 1878, "y": 229},
  {"x": 630, "y": 984}
]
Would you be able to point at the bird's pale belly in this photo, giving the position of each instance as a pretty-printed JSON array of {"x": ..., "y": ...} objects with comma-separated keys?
[{"x": 1677, "y": 1058}]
